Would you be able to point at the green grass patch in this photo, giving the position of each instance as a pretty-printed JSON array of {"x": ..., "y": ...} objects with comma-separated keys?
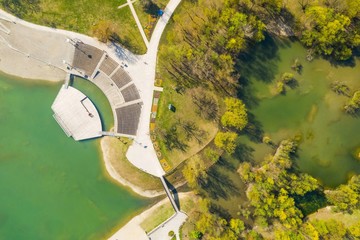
[
  {"x": 159, "y": 216},
  {"x": 327, "y": 214},
  {"x": 149, "y": 17},
  {"x": 165, "y": 211},
  {"x": 81, "y": 16},
  {"x": 182, "y": 133},
  {"x": 117, "y": 149},
  {"x": 171, "y": 126}
]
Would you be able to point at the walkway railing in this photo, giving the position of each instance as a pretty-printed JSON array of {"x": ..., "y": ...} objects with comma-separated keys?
[{"x": 168, "y": 193}]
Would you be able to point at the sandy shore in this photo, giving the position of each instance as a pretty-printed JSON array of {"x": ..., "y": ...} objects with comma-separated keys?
[
  {"x": 105, "y": 148},
  {"x": 133, "y": 228}
]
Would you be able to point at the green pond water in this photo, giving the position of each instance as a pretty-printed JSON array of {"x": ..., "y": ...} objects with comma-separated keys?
[
  {"x": 52, "y": 187},
  {"x": 329, "y": 137}
]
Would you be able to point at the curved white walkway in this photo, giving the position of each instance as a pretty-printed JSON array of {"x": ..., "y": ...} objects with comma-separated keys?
[{"x": 143, "y": 74}]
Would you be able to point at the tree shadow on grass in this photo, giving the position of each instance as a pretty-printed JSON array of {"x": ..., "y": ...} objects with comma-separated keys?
[
  {"x": 225, "y": 163},
  {"x": 151, "y": 8},
  {"x": 219, "y": 185},
  {"x": 220, "y": 211}
]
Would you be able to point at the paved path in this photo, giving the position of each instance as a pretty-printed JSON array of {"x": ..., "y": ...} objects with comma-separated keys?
[
  {"x": 143, "y": 74},
  {"x": 172, "y": 224},
  {"x": 133, "y": 231},
  {"x": 142, "y": 70},
  {"x": 125, "y": 4},
  {"x": 138, "y": 23},
  {"x": 169, "y": 194}
]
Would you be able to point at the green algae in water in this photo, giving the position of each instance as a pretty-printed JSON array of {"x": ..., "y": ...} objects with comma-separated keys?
[
  {"x": 51, "y": 186},
  {"x": 310, "y": 110}
]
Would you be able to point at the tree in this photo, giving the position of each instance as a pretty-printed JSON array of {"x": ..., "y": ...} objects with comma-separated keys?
[
  {"x": 195, "y": 171},
  {"x": 353, "y": 105},
  {"x": 340, "y": 88},
  {"x": 353, "y": 8},
  {"x": 330, "y": 33},
  {"x": 329, "y": 229},
  {"x": 226, "y": 141},
  {"x": 237, "y": 226},
  {"x": 235, "y": 115},
  {"x": 354, "y": 230},
  {"x": 287, "y": 78},
  {"x": 346, "y": 197},
  {"x": 273, "y": 187}
]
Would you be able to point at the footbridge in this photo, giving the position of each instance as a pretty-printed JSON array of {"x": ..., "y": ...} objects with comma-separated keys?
[{"x": 169, "y": 195}]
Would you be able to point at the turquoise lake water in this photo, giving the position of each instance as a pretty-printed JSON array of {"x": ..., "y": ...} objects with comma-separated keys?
[{"x": 52, "y": 187}]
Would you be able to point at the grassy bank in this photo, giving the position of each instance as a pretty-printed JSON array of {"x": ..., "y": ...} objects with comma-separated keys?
[
  {"x": 187, "y": 130},
  {"x": 117, "y": 155},
  {"x": 115, "y": 150},
  {"x": 82, "y": 16},
  {"x": 165, "y": 211}
]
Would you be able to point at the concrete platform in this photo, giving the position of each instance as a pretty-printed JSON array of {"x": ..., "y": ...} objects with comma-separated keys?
[{"x": 76, "y": 114}]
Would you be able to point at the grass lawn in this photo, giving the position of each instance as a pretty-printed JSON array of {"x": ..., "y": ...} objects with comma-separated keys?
[
  {"x": 327, "y": 214},
  {"x": 165, "y": 211},
  {"x": 128, "y": 171},
  {"x": 167, "y": 120},
  {"x": 162, "y": 213},
  {"x": 186, "y": 110},
  {"x": 148, "y": 18},
  {"x": 80, "y": 16}
]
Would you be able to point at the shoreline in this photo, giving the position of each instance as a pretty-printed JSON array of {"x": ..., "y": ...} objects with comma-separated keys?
[
  {"x": 133, "y": 228},
  {"x": 114, "y": 175}
]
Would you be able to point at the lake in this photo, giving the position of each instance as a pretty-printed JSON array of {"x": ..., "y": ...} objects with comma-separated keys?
[
  {"x": 308, "y": 110},
  {"x": 51, "y": 186}
]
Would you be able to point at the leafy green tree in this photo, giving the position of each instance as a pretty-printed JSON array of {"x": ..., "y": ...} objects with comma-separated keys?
[
  {"x": 353, "y": 105},
  {"x": 353, "y": 8},
  {"x": 237, "y": 226},
  {"x": 226, "y": 141},
  {"x": 245, "y": 172},
  {"x": 274, "y": 186},
  {"x": 346, "y": 197},
  {"x": 309, "y": 231},
  {"x": 253, "y": 235},
  {"x": 340, "y": 88},
  {"x": 195, "y": 235},
  {"x": 330, "y": 33},
  {"x": 330, "y": 229},
  {"x": 208, "y": 225},
  {"x": 354, "y": 230},
  {"x": 287, "y": 78},
  {"x": 235, "y": 115},
  {"x": 194, "y": 171}
]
